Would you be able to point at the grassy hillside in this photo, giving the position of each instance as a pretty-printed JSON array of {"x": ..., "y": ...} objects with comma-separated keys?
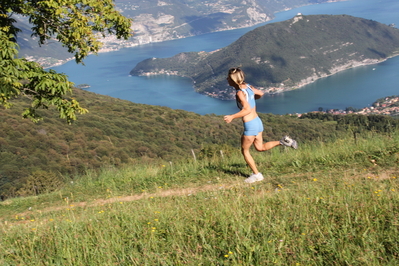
[
  {"x": 285, "y": 54},
  {"x": 116, "y": 133},
  {"x": 323, "y": 204}
]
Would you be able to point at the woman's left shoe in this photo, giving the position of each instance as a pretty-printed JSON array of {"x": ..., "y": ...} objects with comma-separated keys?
[{"x": 254, "y": 178}]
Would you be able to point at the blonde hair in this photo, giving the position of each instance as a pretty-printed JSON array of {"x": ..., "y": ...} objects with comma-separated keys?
[{"x": 237, "y": 75}]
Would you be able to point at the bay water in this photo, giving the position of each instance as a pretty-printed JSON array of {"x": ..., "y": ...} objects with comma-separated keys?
[{"x": 108, "y": 73}]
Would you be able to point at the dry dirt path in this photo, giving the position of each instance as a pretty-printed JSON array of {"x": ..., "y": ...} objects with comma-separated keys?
[
  {"x": 166, "y": 193},
  {"x": 160, "y": 193}
]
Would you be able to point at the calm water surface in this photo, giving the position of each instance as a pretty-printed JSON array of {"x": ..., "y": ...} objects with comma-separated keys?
[{"x": 108, "y": 73}]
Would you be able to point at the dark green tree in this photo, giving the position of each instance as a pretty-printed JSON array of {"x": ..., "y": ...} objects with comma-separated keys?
[{"x": 78, "y": 25}]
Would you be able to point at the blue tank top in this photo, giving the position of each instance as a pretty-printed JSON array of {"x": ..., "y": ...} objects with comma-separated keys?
[{"x": 250, "y": 95}]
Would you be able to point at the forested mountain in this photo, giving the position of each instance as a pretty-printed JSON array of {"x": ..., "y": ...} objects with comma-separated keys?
[
  {"x": 156, "y": 21},
  {"x": 284, "y": 55}
]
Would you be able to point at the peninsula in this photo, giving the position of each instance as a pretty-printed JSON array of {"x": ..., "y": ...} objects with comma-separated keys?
[{"x": 285, "y": 55}]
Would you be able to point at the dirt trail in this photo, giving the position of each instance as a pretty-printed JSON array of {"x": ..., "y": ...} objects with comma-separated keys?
[
  {"x": 171, "y": 192},
  {"x": 160, "y": 193}
]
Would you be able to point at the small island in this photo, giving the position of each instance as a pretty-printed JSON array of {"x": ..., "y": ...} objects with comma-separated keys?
[{"x": 83, "y": 86}]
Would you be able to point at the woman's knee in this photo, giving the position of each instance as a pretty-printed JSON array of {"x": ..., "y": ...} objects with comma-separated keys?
[{"x": 259, "y": 148}]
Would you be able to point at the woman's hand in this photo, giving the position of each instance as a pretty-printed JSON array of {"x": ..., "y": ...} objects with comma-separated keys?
[
  {"x": 258, "y": 93},
  {"x": 228, "y": 118}
]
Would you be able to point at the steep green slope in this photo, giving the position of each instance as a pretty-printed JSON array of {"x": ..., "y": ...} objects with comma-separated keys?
[
  {"x": 118, "y": 132},
  {"x": 286, "y": 54}
]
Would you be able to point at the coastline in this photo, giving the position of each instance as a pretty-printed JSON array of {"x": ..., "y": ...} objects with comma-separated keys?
[
  {"x": 112, "y": 44},
  {"x": 222, "y": 95}
]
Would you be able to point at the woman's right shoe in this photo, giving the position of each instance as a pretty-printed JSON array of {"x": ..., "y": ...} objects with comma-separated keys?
[{"x": 289, "y": 142}]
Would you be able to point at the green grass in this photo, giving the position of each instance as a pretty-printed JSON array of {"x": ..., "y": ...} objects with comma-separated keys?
[{"x": 323, "y": 204}]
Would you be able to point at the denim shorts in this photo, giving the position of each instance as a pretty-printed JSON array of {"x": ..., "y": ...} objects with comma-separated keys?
[{"x": 253, "y": 127}]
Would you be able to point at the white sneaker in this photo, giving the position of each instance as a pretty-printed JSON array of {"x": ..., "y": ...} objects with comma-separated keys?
[
  {"x": 289, "y": 142},
  {"x": 254, "y": 178}
]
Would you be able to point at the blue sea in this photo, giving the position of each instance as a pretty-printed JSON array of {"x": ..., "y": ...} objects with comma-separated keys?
[{"x": 108, "y": 73}]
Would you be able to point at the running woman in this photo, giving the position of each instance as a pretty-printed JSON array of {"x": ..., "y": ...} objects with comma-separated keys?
[{"x": 253, "y": 127}]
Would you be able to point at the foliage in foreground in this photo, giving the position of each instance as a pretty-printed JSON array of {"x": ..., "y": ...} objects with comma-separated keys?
[
  {"x": 77, "y": 25},
  {"x": 324, "y": 204}
]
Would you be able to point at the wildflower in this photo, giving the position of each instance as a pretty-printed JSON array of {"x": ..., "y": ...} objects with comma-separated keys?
[
  {"x": 231, "y": 253},
  {"x": 156, "y": 220},
  {"x": 226, "y": 256},
  {"x": 393, "y": 189},
  {"x": 394, "y": 177},
  {"x": 32, "y": 220},
  {"x": 314, "y": 179}
]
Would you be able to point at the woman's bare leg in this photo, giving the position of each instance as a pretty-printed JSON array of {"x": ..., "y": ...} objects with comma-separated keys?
[
  {"x": 260, "y": 146},
  {"x": 246, "y": 143}
]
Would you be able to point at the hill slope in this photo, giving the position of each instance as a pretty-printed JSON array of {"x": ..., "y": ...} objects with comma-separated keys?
[
  {"x": 284, "y": 55},
  {"x": 323, "y": 204},
  {"x": 118, "y": 132}
]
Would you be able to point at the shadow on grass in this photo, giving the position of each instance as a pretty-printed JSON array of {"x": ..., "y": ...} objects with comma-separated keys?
[{"x": 231, "y": 169}]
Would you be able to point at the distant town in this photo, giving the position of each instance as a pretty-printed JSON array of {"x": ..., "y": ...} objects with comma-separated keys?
[{"x": 385, "y": 106}]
